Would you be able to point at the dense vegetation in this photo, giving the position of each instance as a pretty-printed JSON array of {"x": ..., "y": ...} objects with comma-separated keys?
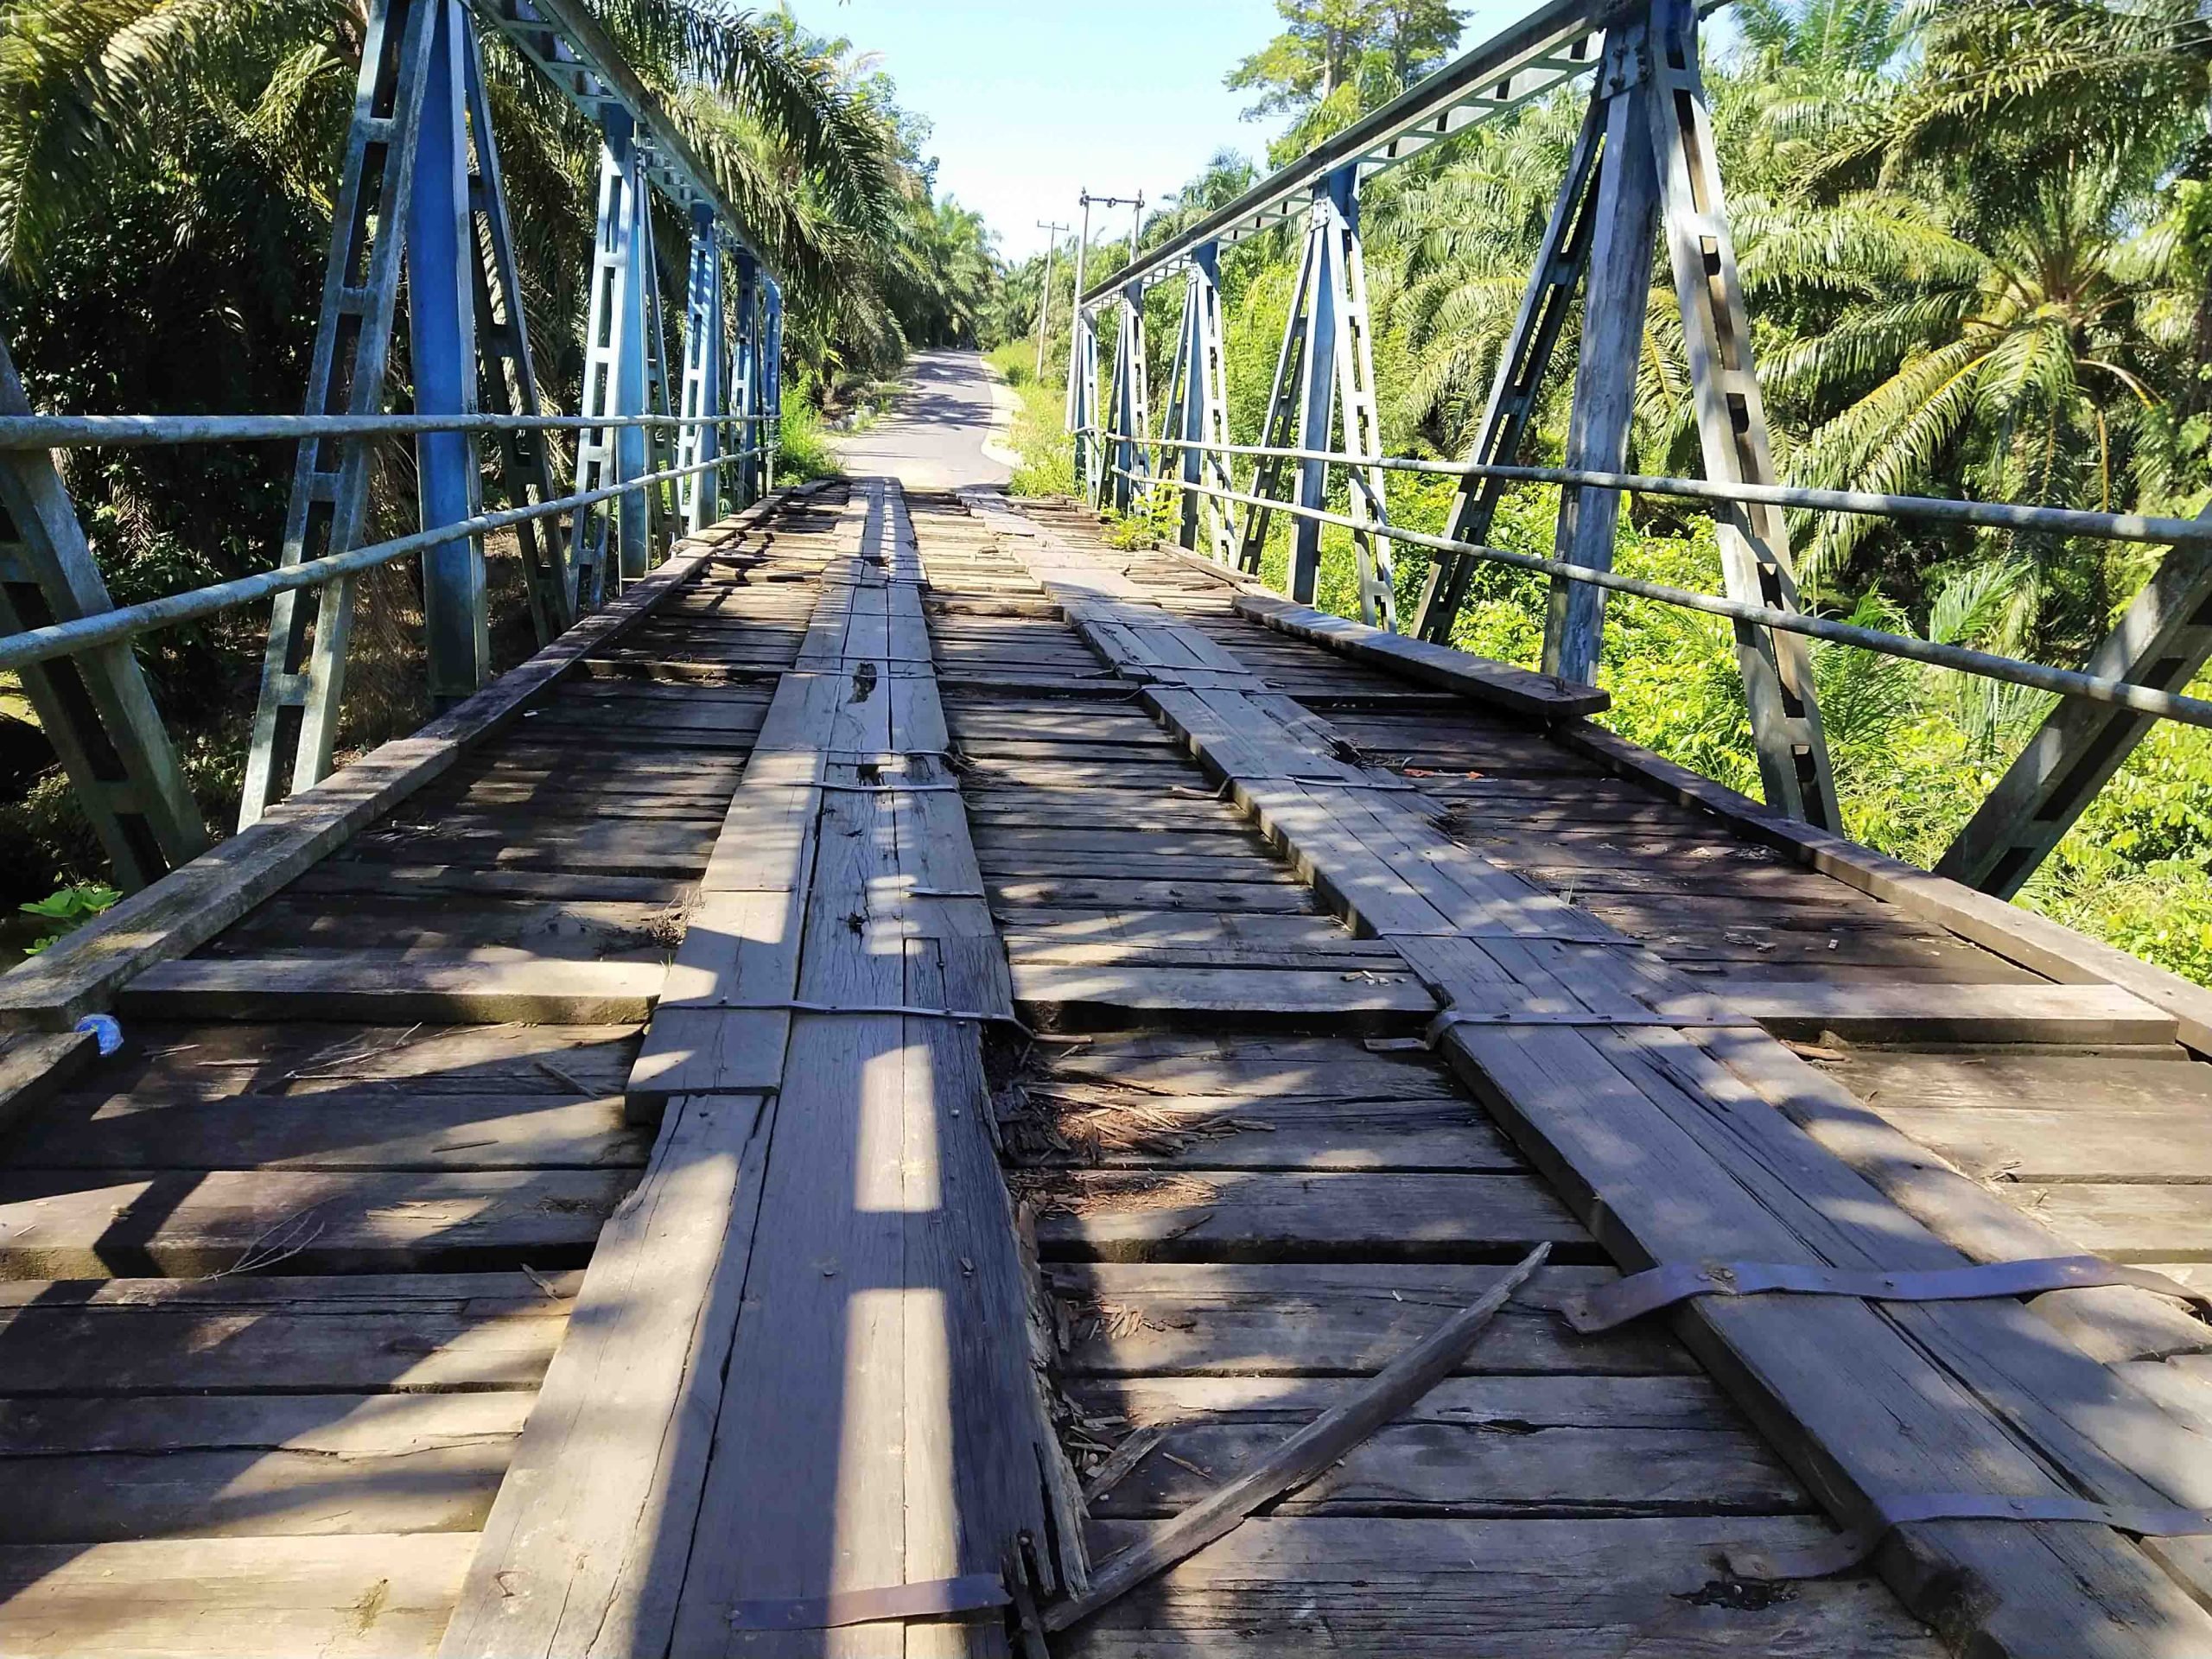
[
  {"x": 1977, "y": 243},
  {"x": 166, "y": 174}
]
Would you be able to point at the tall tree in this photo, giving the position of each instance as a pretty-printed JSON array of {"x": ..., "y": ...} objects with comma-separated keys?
[{"x": 1324, "y": 45}]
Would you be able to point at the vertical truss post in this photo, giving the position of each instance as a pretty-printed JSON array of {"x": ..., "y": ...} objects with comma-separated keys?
[
  {"x": 441, "y": 354},
  {"x": 1624, "y": 204},
  {"x": 2163, "y": 639},
  {"x": 771, "y": 379},
  {"x": 705, "y": 390},
  {"x": 1777, "y": 668},
  {"x": 1128, "y": 417},
  {"x": 660, "y": 441},
  {"x": 1280, "y": 424},
  {"x": 1083, "y": 399},
  {"x": 1317, "y": 403},
  {"x": 1335, "y": 381},
  {"x": 1521, "y": 366},
  {"x": 614, "y": 365},
  {"x": 95, "y": 706},
  {"x": 506, "y": 376},
  {"x": 746, "y": 376},
  {"x": 303, "y": 671},
  {"x": 1197, "y": 406}
]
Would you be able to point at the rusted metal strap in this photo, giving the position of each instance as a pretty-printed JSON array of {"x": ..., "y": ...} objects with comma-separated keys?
[
  {"x": 1854, "y": 1544},
  {"x": 1663, "y": 1286},
  {"x": 974, "y": 1592},
  {"x": 887, "y": 1010}
]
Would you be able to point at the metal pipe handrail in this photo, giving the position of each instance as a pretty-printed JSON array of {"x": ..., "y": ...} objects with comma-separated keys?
[
  {"x": 91, "y": 431},
  {"x": 1991, "y": 515},
  {"x": 2148, "y": 700},
  {"x": 112, "y": 628}
]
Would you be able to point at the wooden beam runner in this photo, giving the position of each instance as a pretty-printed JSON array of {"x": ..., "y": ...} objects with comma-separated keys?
[
  {"x": 1660, "y": 1143},
  {"x": 830, "y": 1393}
]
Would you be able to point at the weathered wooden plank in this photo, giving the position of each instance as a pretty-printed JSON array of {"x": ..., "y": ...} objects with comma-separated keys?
[
  {"x": 36, "y": 1065},
  {"x": 54, "y": 1225},
  {"x": 1246, "y": 1215},
  {"x": 373, "y": 1127},
  {"x": 1151, "y": 986},
  {"x": 1106, "y": 1128},
  {"x": 1306, "y": 1586},
  {"x": 364, "y": 1597},
  {"x": 360, "y": 985}
]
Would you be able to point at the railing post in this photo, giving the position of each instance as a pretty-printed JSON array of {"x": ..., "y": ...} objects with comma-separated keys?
[
  {"x": 441, "y": 354},
  {"x": 303, "y": 671},
  {"x": 95, "y": 708},
  {"x": 705, "y": 393}
]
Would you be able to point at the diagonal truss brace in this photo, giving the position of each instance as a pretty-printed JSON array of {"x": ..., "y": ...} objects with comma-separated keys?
[
  {"x": 1197, "y": 409},
  {"x": 1645, "y": 163},
  {"x": 507, "y": 373},
  {"x": 2163, "y": 639},
  {"x": 95, "y": 708}
]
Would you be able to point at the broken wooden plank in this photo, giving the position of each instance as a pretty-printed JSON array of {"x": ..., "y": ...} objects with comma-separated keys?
[
  {"x": 360, "y": 985},
  {"x": 1541, "y": 696},
  {"x": 1301, "y": 1456}
]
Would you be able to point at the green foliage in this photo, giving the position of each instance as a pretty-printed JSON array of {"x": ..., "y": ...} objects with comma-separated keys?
[{"x": 71, "y": 906}]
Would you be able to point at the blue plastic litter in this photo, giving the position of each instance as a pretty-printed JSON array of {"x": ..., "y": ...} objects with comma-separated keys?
[{"x": 105, "y": 1031}]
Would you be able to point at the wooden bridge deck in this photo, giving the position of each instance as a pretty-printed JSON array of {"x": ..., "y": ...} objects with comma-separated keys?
[{"x": 544, "y": 1211}]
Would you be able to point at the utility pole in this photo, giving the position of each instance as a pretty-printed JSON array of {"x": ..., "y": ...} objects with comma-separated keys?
[
  {"x": 1075, "y": 335},
  {"x": 1045, "y": 299}
]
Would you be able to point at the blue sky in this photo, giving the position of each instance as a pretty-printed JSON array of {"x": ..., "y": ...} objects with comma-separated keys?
[{"x": 1032, "y": 100}]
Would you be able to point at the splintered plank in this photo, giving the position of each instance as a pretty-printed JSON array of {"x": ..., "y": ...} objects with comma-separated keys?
[
  {"x": 108, "y": 1470},
  {"x": 364, "y": 1597},
  {"x": 54, "y": 1226},
  {"x": 1503, "y": 1446},
  {"x": 1545, "y": 696},
  {"x": 1877, "y": 1011},
  {"x": 1245, "y": 1215},
  {"x": 1534, "y": 1589},
  {"x": 364, "y": 986}
]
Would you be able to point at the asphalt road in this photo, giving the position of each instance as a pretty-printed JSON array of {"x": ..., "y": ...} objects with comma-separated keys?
[{"x": 932, "y": 437}]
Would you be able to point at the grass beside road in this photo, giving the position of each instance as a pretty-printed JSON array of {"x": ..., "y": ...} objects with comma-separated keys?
[{"x": 1047, "y": 466}]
